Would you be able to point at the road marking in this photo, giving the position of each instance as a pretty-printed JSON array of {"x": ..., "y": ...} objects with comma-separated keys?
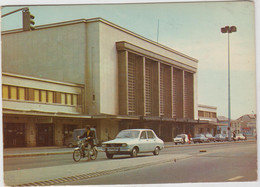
[{"x": 235, "y": 178}]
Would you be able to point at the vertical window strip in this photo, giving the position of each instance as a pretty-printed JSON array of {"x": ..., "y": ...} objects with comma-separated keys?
[
  {"x": 75, "y": 99},
  {"x": 43, "y": 96},
  {"x": 50, "y": 96},
  {"x": 5, "y": 92},
  {"x": 148, "y": 89},
  {"x": 13, "y": 92},
  {"x": 63, "y": 98},
  {"x": 131, "y": 85},
  {"x": 21, "y": 93},
  {"x": 174, "y": 92},
  {"x": 36, "y": 95},
  {"x": 68, "y": 99},
  {"x": 162, "y": 90}
]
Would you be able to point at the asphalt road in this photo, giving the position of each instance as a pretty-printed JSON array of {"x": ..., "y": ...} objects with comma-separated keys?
[
  {"x": 220, "y": 163},
  {"x": 19, "y": 163},
  {"x": 226, "y": 163}
]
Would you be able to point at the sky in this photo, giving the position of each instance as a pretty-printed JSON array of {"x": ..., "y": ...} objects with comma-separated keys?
[{"x": 191, "y": 28}]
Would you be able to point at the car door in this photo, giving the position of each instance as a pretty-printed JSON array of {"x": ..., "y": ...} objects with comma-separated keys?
[
  {"x": 151, "y": 141},
  {"x": 143, "y": 142}
]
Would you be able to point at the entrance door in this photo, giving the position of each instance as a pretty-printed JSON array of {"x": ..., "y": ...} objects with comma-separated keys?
[
  {"x": 44, "y": 134},
  {"x": 14, "y": 135}
]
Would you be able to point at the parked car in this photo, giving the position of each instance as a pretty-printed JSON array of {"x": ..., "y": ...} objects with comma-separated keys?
[
  {"x": 220, "y": 138},
  {"x": 72, "y": 140},
  {"x": 226, "y": 136},
  {"x": 210, "y": 137},
  {"x": 181, "y": 138},
  {"x": 132, "y": 142},
  {"x": 200, "y": 138},
  {"x": 239, "y": 137}
]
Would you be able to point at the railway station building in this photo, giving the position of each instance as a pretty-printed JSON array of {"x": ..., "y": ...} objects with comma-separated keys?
[{"x": 67, "y": 75}]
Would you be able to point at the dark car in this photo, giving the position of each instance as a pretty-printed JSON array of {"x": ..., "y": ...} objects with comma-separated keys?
[
  {"x": 210, "y": 137},
  {"x": 200, "y": 138},
  {"x": 220, "y": 138}
]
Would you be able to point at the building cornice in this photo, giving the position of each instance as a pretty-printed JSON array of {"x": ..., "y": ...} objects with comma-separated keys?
[
  {"x": 122, "y": 45},
  {"x": 98, "y": 19},
  {"x": 41, "y": 79}
]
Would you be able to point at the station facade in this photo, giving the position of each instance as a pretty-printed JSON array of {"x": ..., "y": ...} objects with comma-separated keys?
[{"x": 66, "y": 75}]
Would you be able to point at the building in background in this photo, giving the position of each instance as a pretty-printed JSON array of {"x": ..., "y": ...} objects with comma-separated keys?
[
  {"x": 222, "y": 127},
  {"x": 207, "y": 116},
  {"x": 67, "y": 75},
  {"x": 248, "y": 124}
]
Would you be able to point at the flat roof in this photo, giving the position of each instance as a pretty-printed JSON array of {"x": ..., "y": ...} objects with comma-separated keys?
[{"x": 99, "y": 19}]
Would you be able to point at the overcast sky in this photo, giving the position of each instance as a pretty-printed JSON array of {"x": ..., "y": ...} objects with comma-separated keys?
[{"x": 190, "y": 28}]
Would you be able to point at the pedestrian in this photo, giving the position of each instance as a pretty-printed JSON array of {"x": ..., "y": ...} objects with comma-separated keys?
[
  {"x": 234, "y": 136},
  {"x": 189, "y": 137}
]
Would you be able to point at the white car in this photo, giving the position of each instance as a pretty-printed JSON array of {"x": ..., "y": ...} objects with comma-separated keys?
[
  {"x": 132, "y": 142},
  {"x": 239, "y": 137},
  {"x": 181, "y": 138}
]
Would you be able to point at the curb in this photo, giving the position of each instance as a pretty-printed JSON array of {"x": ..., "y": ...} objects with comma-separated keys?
[{"x": 70, "y": 152}]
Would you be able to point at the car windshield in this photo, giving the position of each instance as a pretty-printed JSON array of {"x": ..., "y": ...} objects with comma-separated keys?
[
  {"x": 128, "y": 134},
  {"x": 179, "y": 136}
]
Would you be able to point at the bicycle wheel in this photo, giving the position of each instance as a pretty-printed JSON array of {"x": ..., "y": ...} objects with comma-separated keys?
[
  {"x": 93, "y": 154},
  {"x": 76, "y": 155}
]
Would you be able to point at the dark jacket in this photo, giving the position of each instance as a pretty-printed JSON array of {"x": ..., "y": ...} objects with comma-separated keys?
[{"x": 91, "y": 135}]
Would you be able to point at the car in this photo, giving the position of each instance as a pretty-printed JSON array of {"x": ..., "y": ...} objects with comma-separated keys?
[
  {"x": 220, "y": 138},
  {"x": 210, "y": 137},
  {"x": 200, "y": 138},
  {"x": 133, "y": 141},
  {"x": 239, "y": 137},
  {"x": 181, "y": 138}
]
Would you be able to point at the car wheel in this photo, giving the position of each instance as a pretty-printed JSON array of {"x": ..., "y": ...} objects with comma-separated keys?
[
  {"x": 134, "y": 152},
  {"x": 156, "y": 151},
  {"x": 109, "y": 156},
  {"x": 70, "y": 145},
  {"x": 182, "y": 142},
  {"x": 175, "y": 143}
]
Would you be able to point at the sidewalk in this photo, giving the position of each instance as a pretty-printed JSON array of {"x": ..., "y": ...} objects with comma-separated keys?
[{"x": 55, "y": 150}]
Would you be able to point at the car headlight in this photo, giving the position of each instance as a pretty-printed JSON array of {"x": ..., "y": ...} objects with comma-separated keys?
[{"x": 124, "y": 145}]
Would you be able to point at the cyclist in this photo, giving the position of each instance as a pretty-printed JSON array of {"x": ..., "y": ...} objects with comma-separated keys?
[{"x": 89, "y": 135}]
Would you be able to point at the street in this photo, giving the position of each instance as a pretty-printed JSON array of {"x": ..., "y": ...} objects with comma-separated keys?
[{"x": 223, "y": 162}]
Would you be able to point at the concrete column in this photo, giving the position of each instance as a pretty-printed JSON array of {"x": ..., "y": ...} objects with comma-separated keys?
[
  {"x": 30, "y": 134},
  {"x": 58, "y": 135},
  {"x": 122, "y": 80}
]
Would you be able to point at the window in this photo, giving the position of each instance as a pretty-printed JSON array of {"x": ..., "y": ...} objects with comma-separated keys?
[
  {"x": 5, "y": 92},
  {"x": 74, "y": 99},
  {"x": 13, "y": 92},
  {"x": 150, "y": 135},
  {"x": 37, "y": 95},
  {"x": 201, "y": 113},
  {"x": 50, "y": 97},
  {"x": 68, "y": 99},
  {"x": 43, "y": 96},
  {"x": 63, "y": 98},
  {"x": 21, "y": 93},
  {"x": 143, "y": 135}
]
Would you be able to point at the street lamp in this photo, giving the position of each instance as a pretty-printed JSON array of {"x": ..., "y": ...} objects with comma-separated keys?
[{"x": 228, "y": 29}]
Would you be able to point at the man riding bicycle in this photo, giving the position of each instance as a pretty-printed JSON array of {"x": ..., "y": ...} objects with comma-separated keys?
[{"x": 89, "y": 135}]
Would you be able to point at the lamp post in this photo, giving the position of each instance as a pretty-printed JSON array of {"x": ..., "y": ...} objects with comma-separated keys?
[{"x": 229, "y": 29}]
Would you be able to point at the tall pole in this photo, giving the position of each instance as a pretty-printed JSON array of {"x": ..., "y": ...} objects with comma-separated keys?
[
  {"x": 229, "y": 103},
  {"x": 228, "y": 29}
]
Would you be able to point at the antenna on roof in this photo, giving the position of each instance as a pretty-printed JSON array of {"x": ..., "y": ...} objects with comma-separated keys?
[{"x": 158, "y": 30}]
